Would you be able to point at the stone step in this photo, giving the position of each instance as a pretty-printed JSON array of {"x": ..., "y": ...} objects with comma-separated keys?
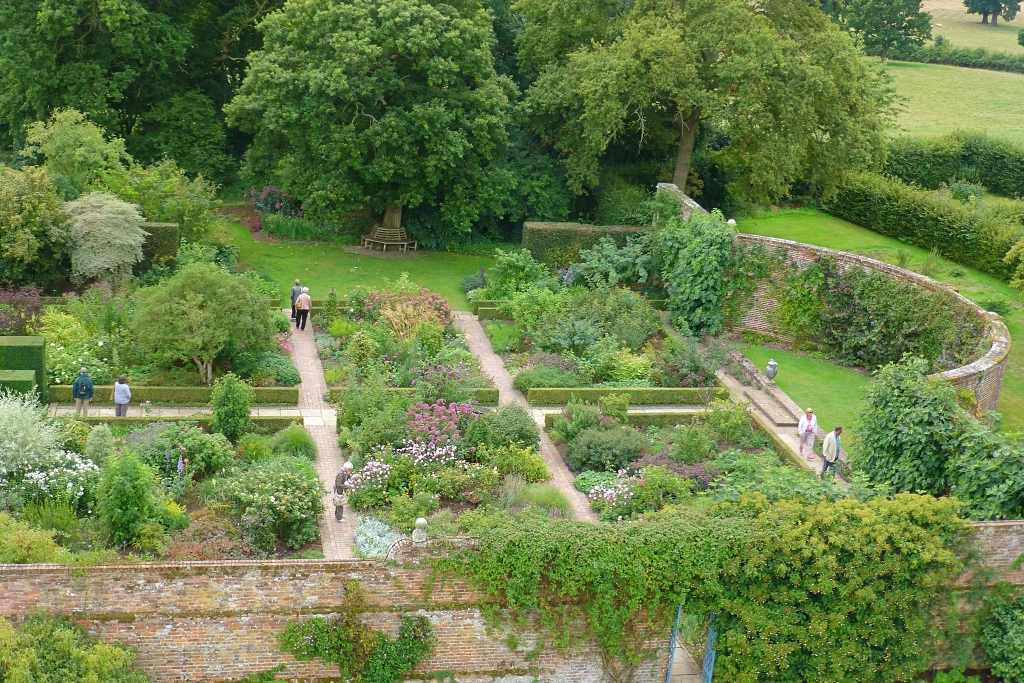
[{"x": 764, "y": 402}]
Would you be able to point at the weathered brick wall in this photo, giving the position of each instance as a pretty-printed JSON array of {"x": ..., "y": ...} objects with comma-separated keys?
[
  {"x": 209, "y": 621},
  {"x": 984, "y": 375}
]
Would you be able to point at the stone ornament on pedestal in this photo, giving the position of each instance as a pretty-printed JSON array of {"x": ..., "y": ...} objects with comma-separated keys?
[{"x": 419, "y": 535}]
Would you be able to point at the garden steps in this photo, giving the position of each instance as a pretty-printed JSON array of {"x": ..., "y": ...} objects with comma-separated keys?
[
  {"x": 338, "y": 538},
  {"x": 771, "y": 408},
  {"x": 493, "y": 367}
]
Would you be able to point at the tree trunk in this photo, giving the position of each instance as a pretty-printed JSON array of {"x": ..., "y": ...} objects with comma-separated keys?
[
  {"x": 995, "y": 18},
  {"x": 984, "y": 17},
  {"x": 687, "y": 135},
  {"x": 885, "y": 53},
  {"x": 393, "y": 216}
]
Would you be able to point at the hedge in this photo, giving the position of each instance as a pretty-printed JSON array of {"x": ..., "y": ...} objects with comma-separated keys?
[
  {"x": 486, "y": 303},
  {"x": 638, "y": 397},
  {"x": 962, "y": 233},
  {"x": 265, "y": 425},
  {"x": 161, "y": 244},
  {"x": 485, "y": 396},
  {"x": 667, "y": 418},
  {"x": 485, "y": 313},
  {"x": 26, "y": 353},
  {"x": 558, "y": 245},
  {"x": 928, "y": 162},
  {"x": 23, "y": 381},
  {"x": 180, "y": 396},
  {"x": 942, "y": 52}
]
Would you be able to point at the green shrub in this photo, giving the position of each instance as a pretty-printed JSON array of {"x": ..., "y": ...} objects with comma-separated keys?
[
  {"x": 127, "y": 496},
  {"x": 281, "y": 322},
  {"x": 615, "y": 406},
  {"x": 586, "y": 481},
  {"x": 548, "y": 497},
  {"x": 55, "y": 516},
  {"x": 638, "y": 396},
  {"x": 575, "y": 418},
  {"x": 20, "y": 543},
  {"x": 547, "y": 376},
  {"x": 558, "y": 245},
  {"x": 295, "y": 441},
  {"x": 514, "y": 270},
  {"x": 278, "y": 367},
  {"x": 405, "y": 509},
  {"x": 650, "y": 490},
  {"x": 54, "y": 648},
  {"x": 505, "y": 338},
  {"x": 205, "y": 453},
  {"x": 342, "y": 328},
  {"x": 523, "y": 462},
  {"x": 231, "y": 401},
  {"x": 384, "y": 428},
  {"x": 606, "y": 450},
  {"x": 253, "y": 448},
  {"x": 513, "y": 424},
  {"x": 100, "y": 444},
  {"x": 693, "y": 444},
  {"x": 961, "y": 233},
  {"x": 277, "y": 499},
  {"x": 930, "y": 161},
  {"x": 1002, "y": 635},
  {"x": 455, "y": 481}
]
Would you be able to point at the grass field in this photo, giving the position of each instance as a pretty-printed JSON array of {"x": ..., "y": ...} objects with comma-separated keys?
[
  {"x": 323, "y": 267},
  {"x": 966, "y": 30},
  {"x": 814, "y": 227},
  {"x": 939, "y": 99}
]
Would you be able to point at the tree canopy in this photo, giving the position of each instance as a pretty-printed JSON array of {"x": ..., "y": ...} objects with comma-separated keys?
[
  {"x": 392, "y": 103},
  {"x": 781, "y": 81},
  {"x": 993, "y": 8},
  {"x": 886, "y": 24},
  {"x": 106, "y": 238}
]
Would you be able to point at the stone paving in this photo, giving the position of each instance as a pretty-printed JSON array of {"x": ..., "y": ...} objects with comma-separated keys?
[
  {"x": 320, "y": 419},
  {"x": 492, "y": 366}
]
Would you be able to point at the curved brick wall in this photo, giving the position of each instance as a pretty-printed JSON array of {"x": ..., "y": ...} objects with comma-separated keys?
[{"x": 984, "y": 376}]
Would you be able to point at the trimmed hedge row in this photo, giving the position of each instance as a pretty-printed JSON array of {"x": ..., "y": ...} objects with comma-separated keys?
[
  {"x": 668, "y": 418},
  {"x": 486, "y": 303},
  {"x": 647, "y": 396},
  {"x": 485, "y": 396},
  {"x": 962, "y": 233},
  {"x": 265, "y": 425},
  {"x": 23, "y": 381},
  {"x": 181, "y": 396},
  {"x": 558, "y": 245},
  {"x": 972, "y": 58},
  {"x": 26, "y": 353},
  {"x": 928, "y": 162}
]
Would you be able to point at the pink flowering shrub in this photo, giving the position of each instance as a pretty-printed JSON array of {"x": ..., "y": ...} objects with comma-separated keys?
[
  {"x": 439, "y": 423},
  {"x": 369, "y": 486},
  {"x": 428, "y": 455},
  {"x": 424, "y": 305}
]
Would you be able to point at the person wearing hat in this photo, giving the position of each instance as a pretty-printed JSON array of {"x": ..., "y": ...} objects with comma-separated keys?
[
  {"x": 302, "y": 307},
  {"x": 341, "y": 490},
  {"x": 806, "y": 431},
  {"x": 296, "y": 291},
  {"x": 82, "y": 391}
]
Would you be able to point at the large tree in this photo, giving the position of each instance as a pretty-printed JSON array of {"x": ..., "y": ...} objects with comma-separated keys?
[
  {"x": 33, "y": 228},
  {"x": 886, "y": 24},
  {"x": 138, "y": 68},
  {"x": 782, "y": 82},
  {"x": 391, "y": 103},
  {"x": 1007, "y": 9}
]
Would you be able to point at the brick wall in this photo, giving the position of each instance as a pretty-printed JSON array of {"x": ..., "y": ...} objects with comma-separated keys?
[
  {"x": 984, "y": 375},
  {"x": 209, "y": 621}
]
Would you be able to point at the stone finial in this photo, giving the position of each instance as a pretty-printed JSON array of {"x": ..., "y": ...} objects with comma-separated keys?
[{"x": 419, "y": 536}]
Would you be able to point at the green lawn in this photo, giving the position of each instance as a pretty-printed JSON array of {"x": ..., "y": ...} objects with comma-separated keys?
[
  {"x": 815, "y": 227},
  {"x": 966, "y": 30},
  {"x": 940, "y": 99},
  {"x": 834, "y": 392},
  {"x": 323, "y": 267}
]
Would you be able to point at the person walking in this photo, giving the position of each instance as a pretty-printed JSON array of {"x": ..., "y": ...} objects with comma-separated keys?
[
  {"x": 296, "y": 292},
  {"x": 302, "y": 307},
  {"x": 82, "y": 390},
  {"x": 830, "y": 449},
  {"x": 341, "y": 490},
  {"x": 806, "y": 431},
  {"x": 121, "y": 396}
]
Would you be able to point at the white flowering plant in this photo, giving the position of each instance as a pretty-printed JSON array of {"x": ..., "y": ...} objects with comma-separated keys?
[
  {"x": 636, "y": 492},
  {"x": 70, "y": 479},
  {"x": 277, "y": 499},
  {"x": 28, "y": 441},
  {"x": 63, "y": 363}
]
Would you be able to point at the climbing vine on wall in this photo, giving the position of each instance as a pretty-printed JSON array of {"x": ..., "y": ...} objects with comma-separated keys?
[{"x": 362, "y": 654}]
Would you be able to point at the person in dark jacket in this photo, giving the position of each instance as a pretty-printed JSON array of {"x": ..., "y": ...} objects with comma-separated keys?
[
  {"x": 82, "y": 391},
  {"x": 296, "y": 291}
]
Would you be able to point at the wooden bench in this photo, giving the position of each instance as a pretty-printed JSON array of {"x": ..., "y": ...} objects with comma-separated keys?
[{"x": 395, "y": 237}]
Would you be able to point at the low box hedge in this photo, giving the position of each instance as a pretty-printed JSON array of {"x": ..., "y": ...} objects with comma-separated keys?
[
  {"x": 26, "y": 353},
  {"x": 656, "y": 396},
  {"x": 667, "y": 418},
  {"x": 264, "y": 425},
  {"x": 485, "y": 313},
  {"x": 485, "y": 396},
  {"x": 558, "y": 245},
  {"x": 179, "y": 396},
  {"x": 486, "y": 303}
]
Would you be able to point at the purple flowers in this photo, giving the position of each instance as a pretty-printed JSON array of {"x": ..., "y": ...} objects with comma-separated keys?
[
  {"x": 436, "y": 424},
  {"x": 374, "y": 474}
]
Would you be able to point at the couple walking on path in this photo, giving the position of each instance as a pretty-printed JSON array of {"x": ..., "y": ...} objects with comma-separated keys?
[
  {"x": 807, "y": 430},
  {"x": 82, "y": 391},
  {"x": 302, "y": 303}
]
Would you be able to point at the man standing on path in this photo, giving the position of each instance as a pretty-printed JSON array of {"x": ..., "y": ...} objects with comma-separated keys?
[
  {"x": 296, "y": 292},
  {"x": 806, "y": 430},
  {"x": 82, "y": 391},
  {"x": 830, "y": 449},
  {"x": 302, "y": 307}
]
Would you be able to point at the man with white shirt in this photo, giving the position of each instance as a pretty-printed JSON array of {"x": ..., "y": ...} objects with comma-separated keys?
[{"x": 806, "y": 430}]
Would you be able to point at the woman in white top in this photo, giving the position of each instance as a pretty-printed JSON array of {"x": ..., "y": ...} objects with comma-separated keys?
[
  {"x": 807, "y": 430},
  {"x": 122, "y": 396}
]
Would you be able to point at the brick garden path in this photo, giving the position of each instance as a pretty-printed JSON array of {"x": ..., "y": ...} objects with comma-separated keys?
[
  {"x": 493, "y": 367},
  {"x": 319, "y": 417}
]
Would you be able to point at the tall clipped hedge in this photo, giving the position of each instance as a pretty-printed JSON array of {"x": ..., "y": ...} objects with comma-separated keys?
[
  {"x": 558, "y": 245},
  {"x": 929, "y": 161},
  {"x": 963, "y": 233},
  {"x": 26, "y": 353},
  {"x": 161, "y": 244},
  {"x": 943, "y": 52}
]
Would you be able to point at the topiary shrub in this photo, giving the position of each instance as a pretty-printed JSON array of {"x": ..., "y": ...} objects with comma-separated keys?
[
  {"x": 231, "y": 401},
  {"x": 295, "y": 441},
  {"x": 607, "y": 450}
]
